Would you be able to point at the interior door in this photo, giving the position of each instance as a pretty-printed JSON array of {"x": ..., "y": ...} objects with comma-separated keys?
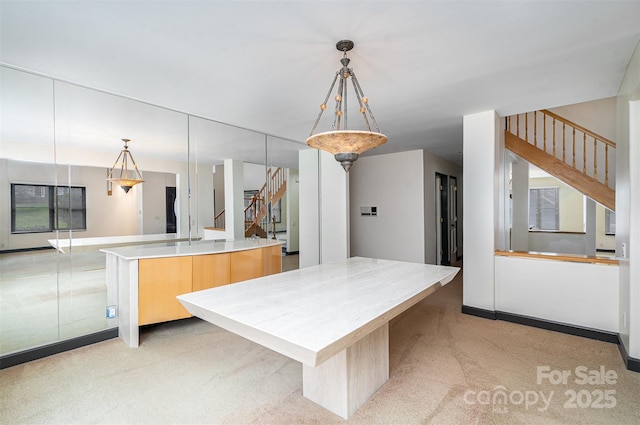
[
  {"x": 170, "y": 209},
  {"x": 453, "y": 219},
  {"x": 442, "y": 220}
]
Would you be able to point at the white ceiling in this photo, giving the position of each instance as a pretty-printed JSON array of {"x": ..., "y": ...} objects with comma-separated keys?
[{"x": 267, "y": 65}]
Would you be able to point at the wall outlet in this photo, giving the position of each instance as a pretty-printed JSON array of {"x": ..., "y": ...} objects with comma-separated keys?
[{"x": 111, "y": 312}]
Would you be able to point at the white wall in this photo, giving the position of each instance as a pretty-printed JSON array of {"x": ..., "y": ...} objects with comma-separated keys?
[
  {"x": 254, "y": 176},
  {"x": 580, "y": 294},
  {"x": 394, "y": 184},
  {"x": 154, "y": 216},
  {"x": 598, "y": 116},
  {"x": 557, "y": 242},
  {"x": 483, "y": 171},
  {"x": 628, "y": 205}
]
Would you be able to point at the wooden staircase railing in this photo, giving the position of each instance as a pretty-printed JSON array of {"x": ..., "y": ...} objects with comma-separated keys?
[
  {"x": 254, "y": 213},
  {"x": 277, "y": 184},
  {"x": 565, "y": 150},
  {"x": 270, "y": 193},
  {"x": 218, "y": 220}
]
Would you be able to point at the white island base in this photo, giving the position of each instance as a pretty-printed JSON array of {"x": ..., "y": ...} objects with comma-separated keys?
[
  {"x": 333, "y": 318},
  {"x": 346, "y": 381}
]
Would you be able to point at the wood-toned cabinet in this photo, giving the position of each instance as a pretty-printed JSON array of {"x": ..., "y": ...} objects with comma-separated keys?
[
  {"x": 160, "y": 280},
  {"x": 246, "y": 265},
  {"x": 211, "y": 270},
  {"x": 272, "y": 260}
]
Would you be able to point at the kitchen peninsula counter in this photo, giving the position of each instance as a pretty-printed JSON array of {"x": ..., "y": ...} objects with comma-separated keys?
[{"x": 144, "y": 280}]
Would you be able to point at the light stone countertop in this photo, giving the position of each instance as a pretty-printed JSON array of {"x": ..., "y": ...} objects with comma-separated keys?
[
  {"x": 312, "y": 313},
  {"x": 177, "y": 249}
]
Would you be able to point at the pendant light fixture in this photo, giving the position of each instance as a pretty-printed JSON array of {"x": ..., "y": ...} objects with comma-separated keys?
[
  {"x": 346, "y": 145},
  {"x": 127, "y": 179}
]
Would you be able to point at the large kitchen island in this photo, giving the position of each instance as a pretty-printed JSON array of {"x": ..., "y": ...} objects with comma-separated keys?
[
  {"x": 333, "y": 318},
  {"x": 144, "y": 280}
]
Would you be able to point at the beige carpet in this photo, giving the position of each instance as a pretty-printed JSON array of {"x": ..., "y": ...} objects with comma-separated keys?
[{"x": 446, "y": 368}]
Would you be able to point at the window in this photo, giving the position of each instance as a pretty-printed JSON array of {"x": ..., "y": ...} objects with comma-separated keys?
[
  {"x": 43, "y": 208},
  {"x": 609, "y": 222},
  {"x": 543, "y": 208}
]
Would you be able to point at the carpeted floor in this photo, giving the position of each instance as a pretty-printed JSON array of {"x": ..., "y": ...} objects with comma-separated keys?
[{"x": 445, "y": 368}]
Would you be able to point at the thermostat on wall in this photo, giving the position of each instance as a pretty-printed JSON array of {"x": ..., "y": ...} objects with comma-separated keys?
[{"x": 368, "y": 210}]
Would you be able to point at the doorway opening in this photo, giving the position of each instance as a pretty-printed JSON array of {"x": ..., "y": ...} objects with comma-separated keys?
[
  {"x": 170, "y": 199},
  {"x": 446, "y": 219}
]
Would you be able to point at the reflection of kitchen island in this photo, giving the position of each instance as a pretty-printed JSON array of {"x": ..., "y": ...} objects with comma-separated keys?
[
  {"x": 147, "y": 278},
  {"x": 65, "y": 245}
]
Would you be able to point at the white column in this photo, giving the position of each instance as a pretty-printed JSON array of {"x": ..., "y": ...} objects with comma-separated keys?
[
  {"x": 293, "y": 210},
  {"x": 482, "y": 182},
  {"x": 520, "y": 205},
  {"x": 334, "y": 210},
  {"x": 324, "y": 213},
  {"x": 234, "y": 199},
  {"x": 590, "y": 227},
  {"x": 309, "y": 196}
]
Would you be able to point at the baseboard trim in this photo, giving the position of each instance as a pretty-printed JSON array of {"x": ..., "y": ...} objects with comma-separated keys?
[
  {"x": 25, "y": 356},
  {"x": 479, "y": 312},
  {"x": 558, "y": 327},
  {"x": 37, "y": 248},
  {"x": 631, "y": 363}
]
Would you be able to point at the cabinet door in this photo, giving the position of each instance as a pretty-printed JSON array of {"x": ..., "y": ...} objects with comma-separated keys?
[
  {"x": 160, "y": 280},
  {"x": 246, "y": 264},
  {"x": 272, "y": 260},
  {"x": 211, "y": 270}
]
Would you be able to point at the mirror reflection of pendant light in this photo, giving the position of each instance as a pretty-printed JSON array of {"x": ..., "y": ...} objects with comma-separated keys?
[
  {"x": 346, "y": 145},
  {"x": 127, "y": 178}
]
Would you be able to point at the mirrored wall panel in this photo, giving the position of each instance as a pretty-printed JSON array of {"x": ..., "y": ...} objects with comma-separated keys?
[{"x": 62, "y": 150}]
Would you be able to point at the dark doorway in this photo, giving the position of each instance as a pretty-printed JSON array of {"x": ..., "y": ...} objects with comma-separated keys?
[
  {"x": 446, "y": 219},
  {"x": 171, "y": 212},
  {"x": 442, "y": 219}
]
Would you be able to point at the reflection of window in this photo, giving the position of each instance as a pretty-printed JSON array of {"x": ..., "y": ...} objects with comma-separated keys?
[
  {"x": 543, "y": 208},
  {"x": 43, "y": 208},
  {"x": 609, "y": 222}
]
